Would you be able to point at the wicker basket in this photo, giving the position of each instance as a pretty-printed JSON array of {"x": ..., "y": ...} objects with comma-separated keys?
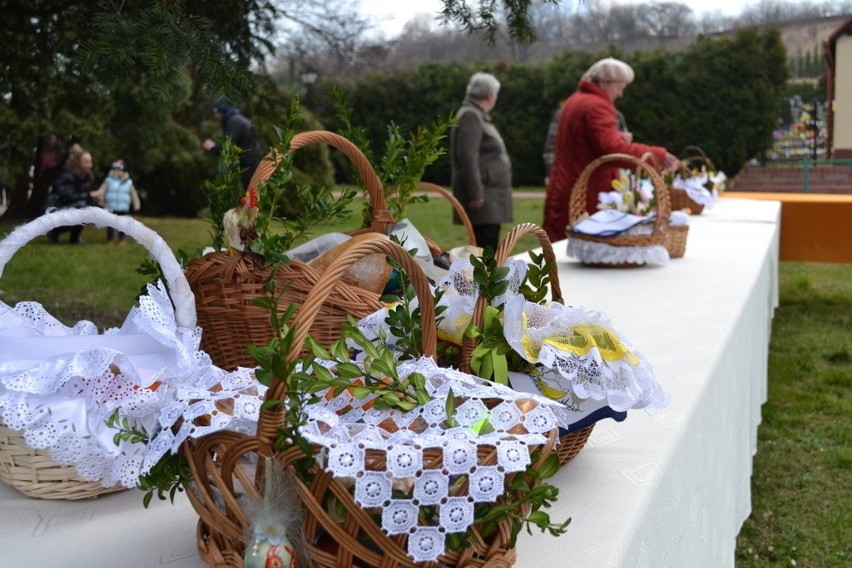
[
  {"x": 692, "y": 155},
  {"x": 225, "y": 285},
  {"x": 676, "y": 240},
  {"x": 32, "y": 471},
  {"x": 35, "y": 474},
  {"x": 577, "y": 208},
  {"x": 224, "y": 479},
  {"x": 570, "y": 444}
]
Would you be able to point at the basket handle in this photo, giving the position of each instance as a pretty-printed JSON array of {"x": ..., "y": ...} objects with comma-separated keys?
[
  {"x": 577, "y": 203},
  {"x": 688, "y": 152},
  {"x": 182, "y": 297},
  {"x": 505, "y": 248},
  {"x": 381, "y": 219},
  {"x": 272, "y": 419},
  {"x": 457, "y": 207}
]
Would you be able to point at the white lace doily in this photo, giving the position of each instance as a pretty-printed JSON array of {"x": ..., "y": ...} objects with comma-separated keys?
[
  {"x": 601, "y": 253},
  {"x": 398, "y": 480},
  {"x": 59, "y": 385},
  {"x": 590, "y": 359}
]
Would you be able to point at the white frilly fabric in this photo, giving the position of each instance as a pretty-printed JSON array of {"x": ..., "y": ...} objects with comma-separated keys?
[
  {"x": 59, "y": 385},
  {"x": 584, "y": 354},
  {"x": 579, "y": 352},
  {"x": 602, "y": 253},
  {"x": 401, "y": 480},
  {"x": 695, "y": 188}
]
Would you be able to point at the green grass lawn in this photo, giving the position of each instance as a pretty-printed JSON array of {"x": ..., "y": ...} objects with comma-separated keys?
[
  {"x": 802, "y": 483},
  {"x": 802, "y": 511}
]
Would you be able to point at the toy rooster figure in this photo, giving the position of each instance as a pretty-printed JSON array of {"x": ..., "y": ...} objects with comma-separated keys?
[{"x": 240, "y": 222}]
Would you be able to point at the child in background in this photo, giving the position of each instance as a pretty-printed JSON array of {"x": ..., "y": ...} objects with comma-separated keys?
[{"x": 118, "y": 196}]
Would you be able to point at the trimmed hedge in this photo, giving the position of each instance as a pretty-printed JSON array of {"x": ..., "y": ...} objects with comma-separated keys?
[{"x": 720, "y": 94}]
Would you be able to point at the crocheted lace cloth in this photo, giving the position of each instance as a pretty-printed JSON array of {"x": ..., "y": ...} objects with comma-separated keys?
[
  {"x": 60, "y": 384},
  {"x": 407, "y": 465},
  {"x": 591, "y": 252}
]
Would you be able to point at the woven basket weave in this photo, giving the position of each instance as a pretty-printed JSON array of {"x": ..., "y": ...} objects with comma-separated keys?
[
  {"x": 32, "y": 471},
  {"x": 691, "y": 155},
  {"x": 577, "y": 208},
  {"x": 676, "y": 240},
  {"x": 571, "y": 443},
  {"x": 224, "y": 479},
  {"x": 225, "y": 285},
  {"x": 35, "y": 474}
]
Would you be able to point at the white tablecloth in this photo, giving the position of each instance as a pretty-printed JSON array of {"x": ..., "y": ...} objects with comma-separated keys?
[
  {"x": 673, "y": 490},
  {"x": 666, "y": 491}
]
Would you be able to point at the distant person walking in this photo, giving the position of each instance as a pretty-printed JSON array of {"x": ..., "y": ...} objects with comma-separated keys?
[
  {"x": 241, "y": 132},
  {"x": 72, "y": 189},
  {"x": 118, "y": 196},
  {"x": 481, "y": 169}
]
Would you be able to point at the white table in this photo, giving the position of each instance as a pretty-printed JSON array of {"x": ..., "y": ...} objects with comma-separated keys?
[
  {"x": 666, "y": 491},
  {"x": 673, "y": 490}
]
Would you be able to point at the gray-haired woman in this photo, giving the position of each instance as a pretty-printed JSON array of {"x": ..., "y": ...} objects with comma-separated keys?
[{"x": 481, "y": 169}]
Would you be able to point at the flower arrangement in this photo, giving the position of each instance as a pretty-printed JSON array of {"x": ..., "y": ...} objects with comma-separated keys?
[{"x": 631, "y": 194}]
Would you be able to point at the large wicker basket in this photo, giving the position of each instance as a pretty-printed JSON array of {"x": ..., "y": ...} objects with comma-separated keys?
[
  {"x": 225, "y": 285},
  {"x": 577, "y": 208},
  {"x": 32, "y": 471},
  {"x": 571, "y": 443},
  {"x": 224, "y": 479}
]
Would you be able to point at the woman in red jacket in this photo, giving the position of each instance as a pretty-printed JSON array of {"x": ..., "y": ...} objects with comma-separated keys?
[{"x": 588, "y": 130}]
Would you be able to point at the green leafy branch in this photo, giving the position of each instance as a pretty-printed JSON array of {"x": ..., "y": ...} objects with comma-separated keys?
[
  {"x": 405, "y": 158},
  {"x": 375, "y": 376},
  {"x": 537, "y": 281},
  {"x": 275, "y": 234},
  {"x": 493, "y": 357},
  {"x": 527, "y": 492},
  {"x": 167, "y": 477}
]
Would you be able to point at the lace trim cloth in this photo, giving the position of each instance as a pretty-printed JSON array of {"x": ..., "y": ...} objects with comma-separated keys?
[
  {"x": 696, "y": 190},
  {"x": 578, "y": 352},
  {"x": 418, "y": 464},
  {"x": 602, "y": 253},
  {"x": 59, "y": 385},
  {"x": 582, "y": 356}
]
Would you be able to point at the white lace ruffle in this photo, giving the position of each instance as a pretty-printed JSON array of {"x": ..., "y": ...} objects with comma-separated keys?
[
  {"x": 592, "y": 252},
  {"x": 59, "y": 385},
  {"x": 695, "y": 189},
  {"x": 397, "y": 479},
  {"x": 588, "y": 358}
]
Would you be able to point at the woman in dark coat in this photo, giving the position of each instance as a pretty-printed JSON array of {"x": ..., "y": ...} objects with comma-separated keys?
[
  {"x": 72, "y": 188},
  {"x": 481, "y": 169},
  {"x": 587, "y": 130}
]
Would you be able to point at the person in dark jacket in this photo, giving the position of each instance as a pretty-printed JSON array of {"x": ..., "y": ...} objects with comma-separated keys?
[
  {"x": 588, "y": 129},
  {"x": 241, "y": 132},
  {"x": 481, "y": 169},
  {"x": 72, "y": 188}
]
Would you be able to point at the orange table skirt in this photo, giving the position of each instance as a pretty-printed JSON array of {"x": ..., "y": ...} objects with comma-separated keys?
[{"x": 815, "y": 227}]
